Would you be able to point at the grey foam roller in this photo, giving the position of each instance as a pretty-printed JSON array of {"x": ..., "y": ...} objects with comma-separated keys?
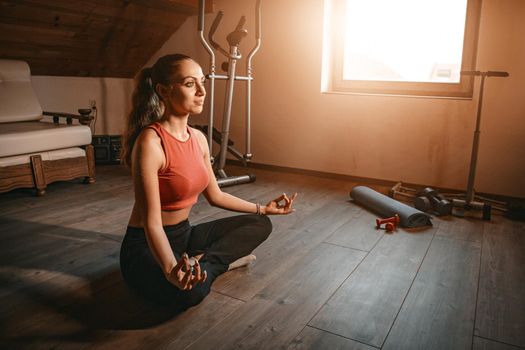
[{"x": 387, "y": 207}]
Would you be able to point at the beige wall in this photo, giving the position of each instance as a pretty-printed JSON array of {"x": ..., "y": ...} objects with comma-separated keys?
[
  {"x": 68, "y": 94},
  {"x": 419, "y": 140}
]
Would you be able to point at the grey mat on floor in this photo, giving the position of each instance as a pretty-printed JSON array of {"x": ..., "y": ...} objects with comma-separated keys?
[{"x": 387, "y": 207}]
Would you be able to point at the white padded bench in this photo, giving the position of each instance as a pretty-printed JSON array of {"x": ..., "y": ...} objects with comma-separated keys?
[{"x": 33, "y": 151}]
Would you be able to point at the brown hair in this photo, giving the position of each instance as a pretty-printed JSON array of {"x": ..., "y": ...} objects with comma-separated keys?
[{"x": 147, "y": 105}]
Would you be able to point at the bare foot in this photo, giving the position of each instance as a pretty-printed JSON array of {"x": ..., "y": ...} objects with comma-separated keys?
[
  {"x": 241, "y": 262},
  {"x": 199, "y": 256}
]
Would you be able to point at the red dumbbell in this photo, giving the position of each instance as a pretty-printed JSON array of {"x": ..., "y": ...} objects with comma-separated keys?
[
  {"x": 390, "y": 223},
  {"x": 390, "y": 227}
]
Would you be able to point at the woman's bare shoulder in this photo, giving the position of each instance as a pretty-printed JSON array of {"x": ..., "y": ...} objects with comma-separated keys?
[
  {"x": 201, "y": 138},
  {"x": 148, "y": 137},
  {"x": 149, "y": 143},
  {"x": 198, "y": 133}
]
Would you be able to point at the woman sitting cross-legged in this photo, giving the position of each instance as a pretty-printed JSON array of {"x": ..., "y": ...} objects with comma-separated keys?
[{"x": 163, "y": 256}]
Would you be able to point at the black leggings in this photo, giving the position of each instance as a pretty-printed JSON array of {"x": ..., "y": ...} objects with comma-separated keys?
[{"x": 222, "y": 241}]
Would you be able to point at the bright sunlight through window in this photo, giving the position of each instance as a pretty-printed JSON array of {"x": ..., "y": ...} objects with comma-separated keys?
[{"x": 404, "y": 40}]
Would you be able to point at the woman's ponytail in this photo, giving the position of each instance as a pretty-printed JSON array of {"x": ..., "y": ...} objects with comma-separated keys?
[{"x": 146, "y": 109}]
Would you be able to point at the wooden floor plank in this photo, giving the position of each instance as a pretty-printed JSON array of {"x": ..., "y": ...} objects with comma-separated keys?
[
  {"x": 56, "y": 290},
  {"x": 366, "y": 305},
  {"x": 358, "y": 233},
  {"x": 438, "y": 312},
  {"x": 113, "y": 182},
  {"x": 314, "y": 339},
  {"x": 468, "y": 229},
  {"x": 280, "y": 311},
  {"x": 79, "y": 263},
  {"x": 36, "y": 239},
  {"x": 501, "y": 302},
  {"x": 486, "y": 344}
]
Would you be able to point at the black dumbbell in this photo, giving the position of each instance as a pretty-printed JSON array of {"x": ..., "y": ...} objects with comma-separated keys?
[
  {"x": 430, "y": 200},
  {"x": 422, "y": 203}
]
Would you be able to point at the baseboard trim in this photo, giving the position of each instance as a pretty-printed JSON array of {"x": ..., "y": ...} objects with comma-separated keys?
[{"x": 363, "y": 180}]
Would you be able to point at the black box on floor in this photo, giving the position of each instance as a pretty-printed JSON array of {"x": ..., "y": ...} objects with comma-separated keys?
[{"x": 107, "y": 148}]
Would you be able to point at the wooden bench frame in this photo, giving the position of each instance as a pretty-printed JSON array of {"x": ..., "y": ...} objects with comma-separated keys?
[{"x": 39, "y": 173}]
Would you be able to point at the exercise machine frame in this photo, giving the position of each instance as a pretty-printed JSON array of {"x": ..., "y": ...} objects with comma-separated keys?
[
  {"x": 469, "y": 201},
  {"x": 233, "y": 56}
]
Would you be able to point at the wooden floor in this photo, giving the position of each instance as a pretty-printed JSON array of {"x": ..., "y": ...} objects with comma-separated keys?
[{"x": 325, "y": 279}]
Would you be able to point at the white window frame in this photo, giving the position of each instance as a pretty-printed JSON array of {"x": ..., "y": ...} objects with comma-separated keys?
[{"x": 333, "y": 51}]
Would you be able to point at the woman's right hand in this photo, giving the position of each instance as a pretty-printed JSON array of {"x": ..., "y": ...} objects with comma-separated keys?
[
  {"x": 275, "y": 207},
  {"x": 187, "y": 273}
]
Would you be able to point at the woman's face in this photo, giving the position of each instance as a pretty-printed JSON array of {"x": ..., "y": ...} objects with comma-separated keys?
[{"x": 185, "y": 94}]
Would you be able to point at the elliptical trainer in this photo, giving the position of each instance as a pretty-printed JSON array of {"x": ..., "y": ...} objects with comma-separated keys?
[{"x": 233, "y": 55}]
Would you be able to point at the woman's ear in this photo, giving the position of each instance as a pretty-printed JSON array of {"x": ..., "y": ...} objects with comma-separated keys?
[{"x": 161, "y": 90}]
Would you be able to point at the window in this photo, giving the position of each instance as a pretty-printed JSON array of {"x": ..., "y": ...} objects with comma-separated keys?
[{"x": 400, "y": 47}]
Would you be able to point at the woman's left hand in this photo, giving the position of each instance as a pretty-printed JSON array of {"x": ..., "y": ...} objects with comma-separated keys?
[
  {"x": 187, "y": 272},
  {"x": 281, "y": 205}
]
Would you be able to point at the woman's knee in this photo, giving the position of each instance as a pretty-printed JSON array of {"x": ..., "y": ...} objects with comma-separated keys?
[{"x": 265, "y": 225}]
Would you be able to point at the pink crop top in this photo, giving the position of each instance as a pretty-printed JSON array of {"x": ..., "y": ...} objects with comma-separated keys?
[{"x": 184, "y": 176}]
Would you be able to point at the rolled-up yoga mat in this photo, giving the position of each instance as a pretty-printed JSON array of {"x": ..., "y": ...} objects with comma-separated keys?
[{"x": 387, "y": 207}]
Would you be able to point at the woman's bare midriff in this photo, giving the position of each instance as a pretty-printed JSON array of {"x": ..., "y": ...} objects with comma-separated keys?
[{"x": 171, "y": 217}]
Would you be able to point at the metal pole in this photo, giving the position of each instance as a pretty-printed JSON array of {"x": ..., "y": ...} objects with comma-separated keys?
[
  {"x": 475, "y": 143},
  {"x": 234, "y": 56},
  {"x": 248, "y": 154},
  {"x": 211, "y": 76},
  {"x": 475, "y": 146}
]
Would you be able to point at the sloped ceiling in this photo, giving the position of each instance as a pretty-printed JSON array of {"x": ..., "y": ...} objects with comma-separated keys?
[{"x": 89, "y": 38}]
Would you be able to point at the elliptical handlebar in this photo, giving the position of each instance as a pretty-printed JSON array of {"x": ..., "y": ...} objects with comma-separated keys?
[
  {"x": 200, "y": 26},
  {"x": 257, "y": 33},
  {"x": 258, "y": 19},
  {"x": 202, "y": 5},
  {"x": 213, "y": 28}
]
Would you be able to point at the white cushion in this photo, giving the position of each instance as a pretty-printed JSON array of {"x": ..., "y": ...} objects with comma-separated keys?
[
  {"x": 18, "y": 101},
  {"x": 29, "y": 137},
  {"x": 73, "y": 152}
]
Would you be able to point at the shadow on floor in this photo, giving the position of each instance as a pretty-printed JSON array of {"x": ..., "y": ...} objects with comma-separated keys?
[{"x": 61, "y": 282}]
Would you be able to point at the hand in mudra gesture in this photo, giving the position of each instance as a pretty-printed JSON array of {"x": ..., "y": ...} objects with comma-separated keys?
[
  {"x": 187, "y": 273},
  {"x": 281, "y": 205}
]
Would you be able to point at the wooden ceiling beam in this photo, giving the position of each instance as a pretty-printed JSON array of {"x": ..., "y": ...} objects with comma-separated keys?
[{"x": 89, "y": 37}]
